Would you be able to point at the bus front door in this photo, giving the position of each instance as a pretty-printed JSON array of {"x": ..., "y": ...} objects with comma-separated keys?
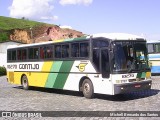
[{"x": 104, "y": 60}]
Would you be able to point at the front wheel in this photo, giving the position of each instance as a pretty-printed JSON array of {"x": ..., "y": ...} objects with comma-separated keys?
[
  {"x": 87, "y": 87},
  {"x": 25, "y": 82}
]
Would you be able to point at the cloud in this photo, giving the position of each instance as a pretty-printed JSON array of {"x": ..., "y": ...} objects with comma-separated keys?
[
  {"x": 32, "y": 9},
  {"x": 65, "y": 26},
  {"x": 74, "y": 2}
]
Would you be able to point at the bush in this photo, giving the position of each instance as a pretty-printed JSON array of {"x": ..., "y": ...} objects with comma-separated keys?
[
  {"x": 3, "y": 37},
  {"x": 2, "y": 71}
]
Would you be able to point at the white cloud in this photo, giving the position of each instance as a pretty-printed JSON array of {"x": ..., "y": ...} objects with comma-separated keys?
[
  {"x": 65, "y": 26},
  {"x": 74, "y": 2},
  {"x": 32, "y": 9}
]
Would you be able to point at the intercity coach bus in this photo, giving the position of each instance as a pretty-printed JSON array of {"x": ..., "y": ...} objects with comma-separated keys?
[
  {"x": 113, "y": 63},
  {"x": 154, "y": 55}
]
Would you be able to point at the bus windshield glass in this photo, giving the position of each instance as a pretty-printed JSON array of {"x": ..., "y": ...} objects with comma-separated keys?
[{"x": 130, "y": 56}]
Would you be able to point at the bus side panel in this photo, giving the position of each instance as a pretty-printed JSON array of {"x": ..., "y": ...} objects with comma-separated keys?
[
  {"x": 79, "y": 69},
  {"x": 82, "y": 69},
  {"x": 155, "y": 62},
  {"x": 155, "y": 66},
  {"x": 59, "y": 73},
  {"x": 10, "y": 76},
  {"x": 39, "y": 78},
  {"x": 14, "y": 77},
  {"x": 102, "y": 85}
]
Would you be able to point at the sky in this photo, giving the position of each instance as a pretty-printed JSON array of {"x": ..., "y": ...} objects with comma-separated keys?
[{"x": 139, "y": 17}]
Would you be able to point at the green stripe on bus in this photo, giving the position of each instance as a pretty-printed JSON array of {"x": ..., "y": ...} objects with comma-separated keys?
[
  {"x": 75, "y": 39},
  {"x": 63, "y": 75},
  {"x": 52, "y": 76},
  {"x": 141, "y": 75}
]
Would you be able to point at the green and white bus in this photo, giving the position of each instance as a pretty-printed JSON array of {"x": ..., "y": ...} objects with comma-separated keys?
[{"x": 113, "y": 63}]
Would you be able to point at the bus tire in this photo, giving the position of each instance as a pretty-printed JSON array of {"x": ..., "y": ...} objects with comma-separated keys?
[
  {"x": 25, "y": 82},
  {"x": 87, "y": 88}
]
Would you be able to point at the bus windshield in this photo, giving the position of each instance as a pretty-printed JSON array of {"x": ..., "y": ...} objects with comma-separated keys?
[{"x": 130, "y": 56}]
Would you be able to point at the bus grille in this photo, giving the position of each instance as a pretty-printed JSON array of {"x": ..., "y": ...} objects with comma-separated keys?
[{"x": 137, "y": 79}]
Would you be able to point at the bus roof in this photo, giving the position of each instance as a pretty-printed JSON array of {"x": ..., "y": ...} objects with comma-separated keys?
[
  {"x": 113, "y": 36},
  {"x": 153, "y": 41},
  {"x": 119, "y": 36}
]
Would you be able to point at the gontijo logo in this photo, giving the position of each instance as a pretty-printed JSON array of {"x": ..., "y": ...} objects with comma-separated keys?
[{"x": 81, "y": 67}]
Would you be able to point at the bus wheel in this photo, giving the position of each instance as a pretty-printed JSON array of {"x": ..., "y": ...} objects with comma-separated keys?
[
  {"x": 87, "y": 88},
  {"x": 25, "y": 82}
]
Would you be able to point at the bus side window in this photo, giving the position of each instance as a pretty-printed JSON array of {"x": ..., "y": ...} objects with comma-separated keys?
[
  {"x": 84, "y": 49},
  {"x": 49, "y": 53},
  {"x": 24, "y": 54},
  {"x": 157, "y": 48},
  {"x": 19, "y": 54},
  {"x": 36, "y": 53},
  {"x": 9, "y": 55},
  {"x": 33, "y": 53},
  {"x": 57, "y": 51},
  {"x": 30, "y": 53},
  {"x": 65, "y": 51},
  {"x": 75, "y": 50},
  {"x": 41, "y": 52},
  {"x": 150, "y": 48},
  {"x": 14, "y": 55}
]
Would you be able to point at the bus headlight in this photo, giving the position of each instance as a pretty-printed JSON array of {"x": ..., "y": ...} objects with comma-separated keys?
[
  {"x": 121, "y": 81},
  {"x": 148, "y": 75}
]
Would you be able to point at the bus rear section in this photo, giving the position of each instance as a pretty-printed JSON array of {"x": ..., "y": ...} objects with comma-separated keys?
[{"x": 154, "y": 56}]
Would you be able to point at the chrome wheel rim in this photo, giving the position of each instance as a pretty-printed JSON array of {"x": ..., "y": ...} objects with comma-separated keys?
[{"x": 86, "y": 88}]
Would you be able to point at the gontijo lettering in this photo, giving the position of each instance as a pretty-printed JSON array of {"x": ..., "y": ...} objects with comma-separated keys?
[{"x": 29, "y": 66}]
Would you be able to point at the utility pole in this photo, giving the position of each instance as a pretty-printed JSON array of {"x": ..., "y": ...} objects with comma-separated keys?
[{"x": 32, "y": 35}]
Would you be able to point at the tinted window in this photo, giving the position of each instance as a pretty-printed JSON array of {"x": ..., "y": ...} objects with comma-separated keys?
[
  {"x": 33, "y": 53},
  {"x": 157, "y": 48},
  {"x": 96, "y": 55},
  {"x": 24, "y": 54},
  {"x": 75, "y": 50},
  {"x": 84, "y": 49},
  {"x": 150, "y": 48},
  {"x": 58, "y": 51},
  {"x": 65, "y": 51},
  {"x": 46, "y": 52},
  {"x": 14, "y": 55},
  {"x": 9, "y": 55},
  {"x": 98, "y": 43},
  {"x": 19, "y": 55},
  {"x": 105, "y": 63}
]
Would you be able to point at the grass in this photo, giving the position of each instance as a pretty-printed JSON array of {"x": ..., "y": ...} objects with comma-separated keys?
[{"x": 7, "y": 23}]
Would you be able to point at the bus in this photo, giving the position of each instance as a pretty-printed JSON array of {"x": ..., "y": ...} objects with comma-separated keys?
[
  {"x": 106, "y": 63},
  {"x": 154, "y": 56}
]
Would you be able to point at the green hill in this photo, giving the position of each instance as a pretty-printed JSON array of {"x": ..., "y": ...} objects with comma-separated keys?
[
  {"x": 7, "y": 24},
  {"x": 19, "y": 30}
]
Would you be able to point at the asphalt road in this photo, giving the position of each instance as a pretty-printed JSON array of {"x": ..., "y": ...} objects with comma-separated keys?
[{"x": 14, "y": 98}]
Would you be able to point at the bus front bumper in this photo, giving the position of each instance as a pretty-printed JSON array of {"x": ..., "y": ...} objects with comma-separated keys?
[{"x": 131, "y": 87}]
